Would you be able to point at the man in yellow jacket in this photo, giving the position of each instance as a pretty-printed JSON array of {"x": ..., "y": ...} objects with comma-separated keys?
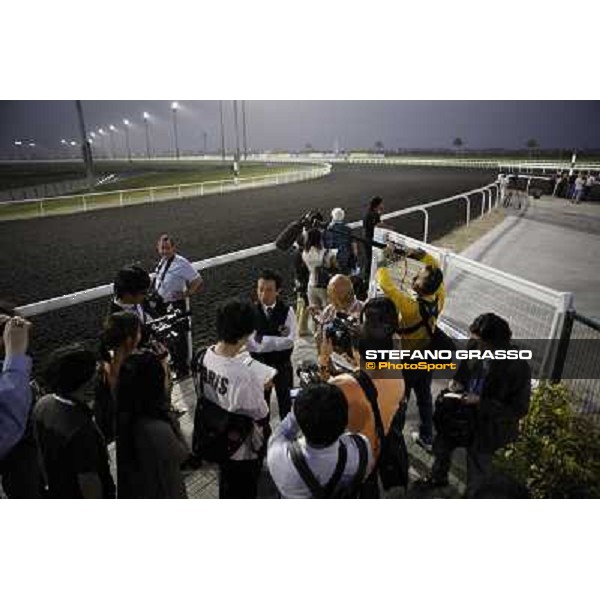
[{"x": 419, "y": 309}]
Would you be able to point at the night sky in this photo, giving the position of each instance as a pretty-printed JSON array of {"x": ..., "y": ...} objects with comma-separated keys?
[{"x": 291, "y": 125}]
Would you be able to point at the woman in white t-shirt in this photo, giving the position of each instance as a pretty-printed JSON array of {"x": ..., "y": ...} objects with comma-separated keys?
[{"x": 315, "y": 256}]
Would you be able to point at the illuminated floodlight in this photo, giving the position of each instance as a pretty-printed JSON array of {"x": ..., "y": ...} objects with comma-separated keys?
[
  {"x": 92, "y": 134},
  {"x": 73, "y": 143},
  {"x": 146, "y": 116},
  {"x": 126, "y": 122},
  {"x": 112, "y": 127},
  {"x": 32, "y": 144},
  {"x": 18, "y": 143},
  {"x": 101, "y": 131},
  {"x": 174, "y": 105}
]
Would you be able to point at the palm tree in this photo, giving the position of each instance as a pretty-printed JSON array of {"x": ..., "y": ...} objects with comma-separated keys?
[
  {"x": 532, "y": 144},
  {"x": 379, "y": 145},
  {"x": 458, "y": 144}
]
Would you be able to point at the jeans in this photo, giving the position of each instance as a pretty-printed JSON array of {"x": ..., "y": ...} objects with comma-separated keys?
[
  {"x": 239, "y": 479},
  {"x": 420, "y": 382},
  {"x": 479, "y": 465}
]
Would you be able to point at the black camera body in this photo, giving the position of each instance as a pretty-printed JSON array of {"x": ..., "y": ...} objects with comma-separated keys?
[
  {"x": 168, "y": 328},
  {"x": 308, "y": 374},
  {"x": 343, "y": 331}
]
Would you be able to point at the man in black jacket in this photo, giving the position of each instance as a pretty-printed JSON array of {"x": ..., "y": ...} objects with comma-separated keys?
[
  {"x": 273, "y": 341},
  {"x": 498, "y": 392}
]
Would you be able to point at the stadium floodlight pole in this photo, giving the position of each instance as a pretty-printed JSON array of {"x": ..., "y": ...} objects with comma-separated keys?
[
  {"x": 237, "y": 133},
  {"x": 86, "y": 148},
  {"x": 174, "y": 107},
  {"x": 244, "y": 129},
  {"x": 127, "y": 126},
  {"x": 222, "y": 131},
  {"x": 146, "y": 122},
  {"x": 102, "y": 133},
  {"x": 111, "y": 131},
  {"x": 205, "y": 136}
]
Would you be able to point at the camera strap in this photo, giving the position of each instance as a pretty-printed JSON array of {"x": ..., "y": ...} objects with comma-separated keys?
[
  {"x": 160, "y": 278},
  {"x": 427, "y": 312},
  {"x": 316, "y": 489},
  {"x": 370, "y": 391}
]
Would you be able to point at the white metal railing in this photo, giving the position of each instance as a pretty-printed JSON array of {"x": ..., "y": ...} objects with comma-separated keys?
[
  {"x": 102, "y": 291},
  {"x": 534, "y": 311},
  {"x": 41, "y": 207}
]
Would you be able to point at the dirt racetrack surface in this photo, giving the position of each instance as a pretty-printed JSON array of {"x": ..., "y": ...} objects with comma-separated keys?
[{"x": 43, "y": 258}]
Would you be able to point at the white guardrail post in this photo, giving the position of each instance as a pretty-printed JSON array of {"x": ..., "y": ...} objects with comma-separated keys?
[
  {"x": 426, "y": 225},
  {"x": 468, "y": 205}
]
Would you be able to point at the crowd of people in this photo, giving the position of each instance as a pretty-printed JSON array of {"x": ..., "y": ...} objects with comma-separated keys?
[
  {"x": 339, "y": 435},
  {"x": 575, "y": 186}
]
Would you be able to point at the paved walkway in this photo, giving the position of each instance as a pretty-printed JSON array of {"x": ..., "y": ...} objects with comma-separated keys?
[{"x": 553, "y": 243}]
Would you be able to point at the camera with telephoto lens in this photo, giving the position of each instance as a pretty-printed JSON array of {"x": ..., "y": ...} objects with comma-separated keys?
[{"x": 343, "y": 331}]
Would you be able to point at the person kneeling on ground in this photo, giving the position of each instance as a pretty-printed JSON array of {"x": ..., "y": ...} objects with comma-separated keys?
[
  {"x": 499, "y": 392},
  {"x": 310, "y": 455}
]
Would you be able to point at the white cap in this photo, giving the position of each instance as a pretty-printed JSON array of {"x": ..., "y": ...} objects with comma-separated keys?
[{"x": 338, "y": 214}]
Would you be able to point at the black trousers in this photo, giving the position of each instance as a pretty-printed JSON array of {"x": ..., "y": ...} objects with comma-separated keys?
[
  {"x": 283, "y": 383},
  {"x": 238, "y": 479},
  {"x": 479, "y": 464}
]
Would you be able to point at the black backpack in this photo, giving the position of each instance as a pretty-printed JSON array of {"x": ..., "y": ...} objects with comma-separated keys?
[
  {"x": 332, "y": 489},
  {"x": 218, "y": 433},
  {"x": 393, "y": 454},
  {"x": 438, "y": 339}
]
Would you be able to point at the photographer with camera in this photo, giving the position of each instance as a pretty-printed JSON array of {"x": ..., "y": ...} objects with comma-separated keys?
[
  {"x": 495, "y": 392},
  {"x": 231, "y": 413},
  {"x": 175, "y": 280},
  {"x": 342, "y": 304},
  {"x": 310, "y": 453},
  {"x": 19, "y": 465},
  {"x": 15, "y": 391},
  {"x": 419, "y": 309},
  {"x": 375, "y": 404},
  {"x": 274, "y": 338}
]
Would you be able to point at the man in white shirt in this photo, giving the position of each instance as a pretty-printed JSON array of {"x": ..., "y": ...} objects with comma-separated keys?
[
  {"x": 230, "y": 381},
  {"x": 273, "y": 342},
  {"x": 589, "y": 184},
  {"x": 310, "y": 455},
  {"x": 578, "y": 190},
  {"x": 175, "y": 280}
]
